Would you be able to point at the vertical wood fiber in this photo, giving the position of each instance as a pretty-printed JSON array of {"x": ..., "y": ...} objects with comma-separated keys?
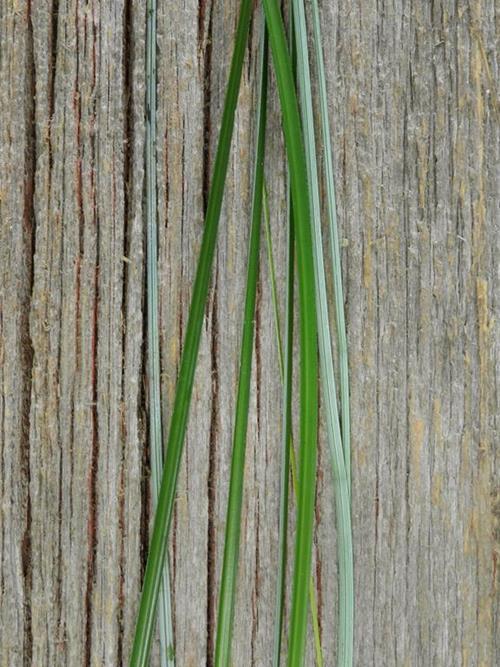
[{"x": 414, "y": 114}]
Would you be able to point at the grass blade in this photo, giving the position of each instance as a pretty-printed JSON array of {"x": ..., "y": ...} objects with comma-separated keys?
[
  {"x": 157, "y": 552},
  {"x": 155, "y": 434},
  {"x": 308, "y": 333},
  {"x": 288, "y": 462},
  {"x": 335, "y": 246},
  {"x": 341, "y": 488},
  {"x": 285, "y": 360},
  {"x": 233, "y": 521}
]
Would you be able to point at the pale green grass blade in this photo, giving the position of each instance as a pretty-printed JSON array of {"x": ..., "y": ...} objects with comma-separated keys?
[
  {"x": 335, "y": 246},
  {"x": 163, "y": 516},
  {"x": 341, "y": 488},
  {"x": 235, "y": 498},
  {"x": 155, "y": 431},
  {"x": 308, "y": 333}
]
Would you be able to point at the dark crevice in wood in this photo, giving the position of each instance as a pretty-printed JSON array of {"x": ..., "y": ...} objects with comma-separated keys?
[
  {"x": 202, "y": 5},
  {"x": 212, "y": 487},
  {"x": 143, "y": 399},
  {"x": 146, "y": 458},
  {"x": 121, "y": 523},
  {"x": 406, "y": 376},
  {"x": 27, "y": 345},
  {"x": 52, "y": 71},
  {"x": 128, "y": 143},
  {"x": 79, "y": 191},
  {"x": 250, "y": 46},
  {"x": 92, "y": 474},
  {"x": 92, "y": 480}
]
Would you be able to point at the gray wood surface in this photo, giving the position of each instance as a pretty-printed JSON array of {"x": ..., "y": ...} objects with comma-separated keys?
[{"x": 414, "y": 113}]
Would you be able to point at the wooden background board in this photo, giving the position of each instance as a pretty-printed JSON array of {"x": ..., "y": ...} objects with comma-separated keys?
[{"x": 414, "y": 115}]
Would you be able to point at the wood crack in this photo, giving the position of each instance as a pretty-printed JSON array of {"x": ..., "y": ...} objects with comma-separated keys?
[{"x": 212, "y": 488}]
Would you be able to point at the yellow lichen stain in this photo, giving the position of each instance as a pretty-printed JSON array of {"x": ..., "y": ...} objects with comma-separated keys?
[
  {"x": 367, "y": 261},
  {"x": 368, "y": 208},
  {"x": 425, "y": 315},
  {"x": 482, "y": 306},
  {"x": 484, "y": 327},
  {"x": 417, "y": 432},
  {"x": 478, "y": 204},
  {"x": 360, "y": 457},
  {"x": 470, "y": 533},
  {"x": 173, "y": 350},
  {"x": 492, "y": 93},
  {"x": 485, "y": 611},
  {"x": 437, "y": 485},
  {"x": 477, "y": 64},
  {"x": 353, "y": 104}
]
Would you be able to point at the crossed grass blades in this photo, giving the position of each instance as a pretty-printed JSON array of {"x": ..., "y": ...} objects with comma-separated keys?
[{"x": 304, "y": 242}]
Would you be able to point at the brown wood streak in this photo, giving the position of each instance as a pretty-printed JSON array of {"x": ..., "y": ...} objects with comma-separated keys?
[{"x": 414, "y": 115}]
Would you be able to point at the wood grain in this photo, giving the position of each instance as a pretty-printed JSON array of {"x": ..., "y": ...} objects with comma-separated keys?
[{"x": 414, "y": 114}]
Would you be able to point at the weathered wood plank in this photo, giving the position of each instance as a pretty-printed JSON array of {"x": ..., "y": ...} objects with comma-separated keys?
[
  {"x": 16, "y": 246},
  {"x": 414, "y": 113}
]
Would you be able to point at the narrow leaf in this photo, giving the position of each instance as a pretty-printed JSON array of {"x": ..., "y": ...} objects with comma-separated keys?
[
  {"x": 308, "y": 333},
  {"x": 235, "y": 499},
  {"x": 340, "y": 482}
]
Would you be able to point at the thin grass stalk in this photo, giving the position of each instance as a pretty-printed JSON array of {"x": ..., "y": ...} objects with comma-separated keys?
[
  {"x": 288, "y": 461},
  {"x": 235, "y": 498},
  {"x": 285, "y": 358},
  {"x": 155, "y": 430},
  {"x": 341, "y": 488},
  {"x": 293, "y": 464},
  {"x": 308, "y": 333},
  {"x": 163, "y": 516},
  {"x": 335, "y": 246}
]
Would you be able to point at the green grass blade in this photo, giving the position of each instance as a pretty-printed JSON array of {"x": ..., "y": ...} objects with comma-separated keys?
[
  {"x": 341, "y": 488},
  {"x": 155, "y": 434},
  {"x": 335, "y": 246},
  {"x": 157, "y": 552},
  {"x": 288, "y": 462},
  {"x": 308, "y": 333},
  {"x": 235, "y": 499}
]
